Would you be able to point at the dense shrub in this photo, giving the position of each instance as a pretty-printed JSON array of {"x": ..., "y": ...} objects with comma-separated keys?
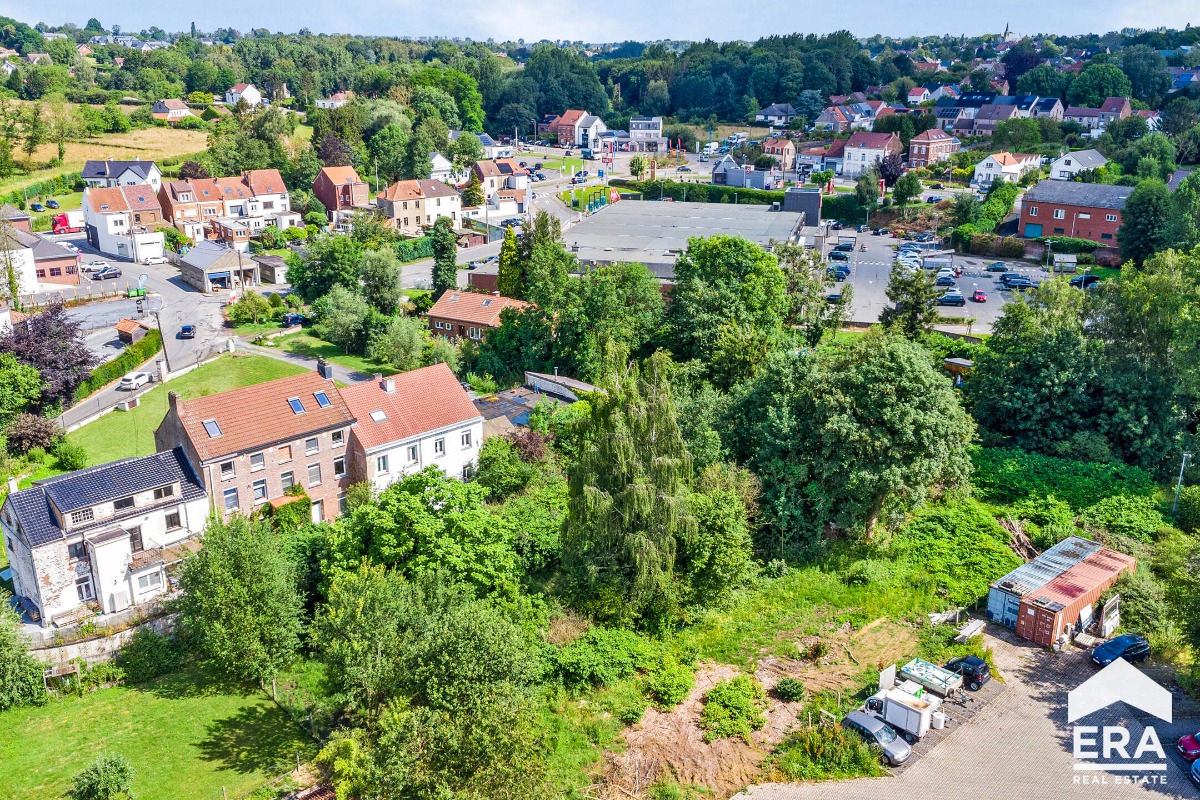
[
  {"x": 733, "y": 708},
  {"x": 825, "y": 753},
  {"x": 26, "y": 432},
  {"x": 652, "y": 190},
  {"x": 132, "y": 357},
  {"x": 415, "y": 249},
  {"x": 789, "y": 690},
  {"x": 1042, "y": 511},
  {"x": 669, "y": 683},
  {"x": 501, "y": 470},
  {"x": 1124, "y": 515},
  {"x": 69, "y": 457},
  {"x": 20, "y": 673},
  {"x": 1006, "y": 475},
  {"x": 1188, "y": 515},
  {"x": 1065, "y": 244},
  {"x": 603, "y": 656},
  {"x": 149, "y": 654}
]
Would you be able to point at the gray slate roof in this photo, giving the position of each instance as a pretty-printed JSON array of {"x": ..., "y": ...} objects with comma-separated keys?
[
  {"x": 111, "y": 169},
  {"x": 205, "y": 254},
  {"x": 105, "y": 483},
  {"x": 1071, "y": 193},
  {"x": 1087, "y": 159}
]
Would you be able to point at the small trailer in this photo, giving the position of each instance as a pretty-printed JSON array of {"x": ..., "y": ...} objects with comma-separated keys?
[
  {"x": 932, "y": 677},
  {"x": 911, "y": 716}
]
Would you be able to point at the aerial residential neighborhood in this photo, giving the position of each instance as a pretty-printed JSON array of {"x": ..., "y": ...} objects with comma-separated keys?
[{"x": 454, "y": 406}]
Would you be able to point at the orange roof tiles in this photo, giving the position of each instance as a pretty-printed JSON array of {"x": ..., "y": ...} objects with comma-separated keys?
[
  {"x": 423, "y": 400},
  {"x": 340, "y": 175},
  {"x": 473, "y": 308}
]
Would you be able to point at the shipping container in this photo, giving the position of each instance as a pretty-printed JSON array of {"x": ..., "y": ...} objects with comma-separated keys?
[
  {"x": 1066, "y": 605},
  {"x": 1004, "y": 597}
]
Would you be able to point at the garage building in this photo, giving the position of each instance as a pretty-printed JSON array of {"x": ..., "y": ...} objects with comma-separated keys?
[
  {"x": 1005, "y": 595},
  {"x": 210, "y": 266},
  {"x": 1066, "y": 605}
]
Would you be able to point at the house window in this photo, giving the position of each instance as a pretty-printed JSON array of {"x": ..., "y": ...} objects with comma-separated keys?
[
  {"x": 466, "y": 439},
  {"x": 285, "y": 454},
  {"x": 381, "y": 464},
  {"x": 343, "y": 506},
  {"x": 259, "y": 487},
  {"x": 1106, "y": 236},
  {"x": 296, "y": 404},
  {"x": 339, "y": 467},
  {"x": 339, "y": 438},
  {"x": 173, "y": 520},
  {"x": 1033, "y": 211},
  {"x": 1110, "y": 217},
  {"x": 55, "y": 272},
  {"x": 77, "y": 551},
  {"x": 83, "y": 588},
  {"x": 1059, "y": 230},
  {"x": 1060, "y": 213},
  {"x": 257, "y": 461},
  {"x": 412, "y": 454},
  {"x": 231, "y": 499},
  {"x": 227, "y": 470},
  {"x": 82, "y": 515},
  {"x": 151, "y": 580},
  {"x": 135, "y": 539},
  {"x": 164, "y": 491},
  {"x": 322, "y": 399},
  {"x": 122, "y": 504},
  {"x": 1085, "y": 215},
  {"x": 439, "y": 447},
  {"x": 41, "y": 273},
  {"x": 311, "y": 446}
]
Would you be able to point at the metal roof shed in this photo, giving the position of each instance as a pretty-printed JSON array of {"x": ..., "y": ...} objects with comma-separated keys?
[
  {"x": 1066, "y": 604},
  {"x": 1004, "y": 597}
]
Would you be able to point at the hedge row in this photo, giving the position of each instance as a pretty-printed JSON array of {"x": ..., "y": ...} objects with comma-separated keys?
[
  {"x": 699, "y": 192},
  {"x": 997, "y": 206},
  {"x": 131, "y": 358},
  {"x": 59, "y": 184},
  {"x": 1065, "y": 244},
  {"x": 415, "y": 249}
]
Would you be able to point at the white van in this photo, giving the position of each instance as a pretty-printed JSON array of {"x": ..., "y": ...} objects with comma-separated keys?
[{"x": 711, "y": 149}]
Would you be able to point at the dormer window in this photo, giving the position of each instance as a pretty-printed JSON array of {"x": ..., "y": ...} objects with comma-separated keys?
[{"x": 122, "y": 504}]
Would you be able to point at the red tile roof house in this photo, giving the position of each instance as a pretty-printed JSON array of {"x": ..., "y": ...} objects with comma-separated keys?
[
  {"x": 469, "y": 314},
  {"x": 248, "y": 446},
  {"x": 411, "y": 421},
  {"x": 864, "y": 149},
  {"x": 340, "y": 189},
  {"x": 931, "y": 147}
]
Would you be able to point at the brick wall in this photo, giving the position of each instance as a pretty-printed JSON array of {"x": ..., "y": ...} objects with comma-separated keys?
[{"x": 1080, "y": 222}]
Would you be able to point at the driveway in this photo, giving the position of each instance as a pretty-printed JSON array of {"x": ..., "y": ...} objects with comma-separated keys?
[{"x": 1019, "y": 745}]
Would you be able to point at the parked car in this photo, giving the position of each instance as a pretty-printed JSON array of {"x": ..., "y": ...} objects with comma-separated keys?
[
  {"x": 540, "y": 176},
  {"x": 840, "y": 274},
  {"x": 833, "y": 297},
  {"x": 933, "y": 198},
  {"x": 1131, "y": 647},
  {"x": 879, "y": 734},
  {"x": 881, "y": 231},
  {"x": 979, "y": 296},
  {"x": 93, "y": 265},
  {"x": 837, "y": 226},
  {"x": 51, "y": 204},
  {"x": 974, "y": 670},
  {"x": 1195, "y": 773},
  {"x": 288, "y": 320},
  {"x": 844, "y": 247},
  {"x": 511, "y": 222},
  {"x": 578, "y": 179},
  {"x": 134, "y": 380},
  {"x": 521, "y": 164},
  {"x": 944, "y": 280},
  {"x": 187, "y": 332},
  {"x": 154, "y": 260},
  {"x": 684, "y": 168},
  {"x": 838, "y": 255},
  {"x": 997, "y": 266},
  {"x": 537, "y": 165},
  {"x": 924, "y": 237},
  {"x": 862, "y": 229},
  {"x": 106, "y": 274},
  {"x": 952, "y": 298},
  {"x": 37, "y": 207},
  {"x": 1019, "y": 284},
  {"x": 1085, "y": 281},
  {"x": 1189, "y": 747},
  {"x": 936, "y": 186}
]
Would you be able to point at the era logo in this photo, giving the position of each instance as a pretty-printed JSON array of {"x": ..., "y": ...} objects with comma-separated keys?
[{"x": 1118, "y": 682}]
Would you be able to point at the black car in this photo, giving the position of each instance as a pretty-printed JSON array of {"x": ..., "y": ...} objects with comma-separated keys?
[
  {"x": 974, "y": 670},
  {"x": 1020, "y": 284},
  {"x": 997, "y": 266},
  {"x": 954, "y": 298},
  {"x": 37, "y": 207},
  {"x": 936, "y": 186},
  {"x": 837, "y": 226},
  {"x": 840, "y": 273},
  {"x": 105, "y": 274},
  {"x": 833, "y": 297},
  {"x": 1085, "y": 281},
  {"x": 1131, "y": 647},
  {"x": 51, "y": 204},
  {"x": 838, "y": 255},
  {"x": 844, "y": 247},
  {"x": 925, "y": 237},
  {"x": 944, "y": 280}
]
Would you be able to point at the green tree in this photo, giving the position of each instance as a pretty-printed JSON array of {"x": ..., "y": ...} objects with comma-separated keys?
[
  {"x": 628, "y": 502},
  {"x": 387, "y": 149},
  {"x": 842, "y": 434},
  {"x": 472, "y": 193},
  {"x": 1018, "y": 135},
  {"x": 866, "y": 189},
  {"x": 467, "y": 150},
  {"x": 1146, "y": 221},
  {"x": 907, "y": 188},
  {"x": 914, "y": 302},
  {"x": 35, "y": 130},
  {"x": 20, "y": 387},
  {"x": 509, "y": 281},
  {"x": 60, "y": 121},
  {"x": 809, "y": 312},
  {"x": 1096, "y": 82},
  {"x": 340, "y": 318},
  {"x": 1044, "y": 81},
  {"x": 637, "y": 166},
  {"x": 329, "y": 261},
  {"x": 379, "y": 273},
  {"x": 109, "y": 777},
  {"x": 20, "y": 673},
  {"x": 445, "y": 257},
  {"x": 240, "y": 600},
  {"x": 249, "y": 308},
  {"x": 401, "y": 344},
  {"x": 1147, "y": 72}
]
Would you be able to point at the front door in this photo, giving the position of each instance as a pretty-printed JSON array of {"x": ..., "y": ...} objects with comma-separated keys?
[{"x": 318, "y": 511}]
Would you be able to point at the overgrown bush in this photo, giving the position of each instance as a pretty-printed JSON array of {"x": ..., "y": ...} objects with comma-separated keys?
[
  {"x": 1124, "y": 515},
  {"x": 1188, "y": 515},
  {"x": 149, "y": 654},
  {"x": 20, "y": 673},
  {"x": 25, "y": 432},
  {"x": 1006, "y": 475},
  {"x": 668, "y": 683},
  {"x": 789, "y": 690},
  {"x": 733, "y": 708},
  {"x": 132, "y": 357},
  {"x": 603, "y": 656},
  {"x": 483, "y": 384},
  {"x": 823, "y": 754},
  {"x": 69, "y": 457},
  {"x": 501, "y": 470}
]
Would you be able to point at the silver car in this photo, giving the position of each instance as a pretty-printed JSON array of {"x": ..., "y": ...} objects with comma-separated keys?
[{"x": 878, "y": 733}]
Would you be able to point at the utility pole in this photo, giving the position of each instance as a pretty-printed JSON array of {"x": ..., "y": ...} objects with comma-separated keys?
[{"x": 1179, "y": 484}]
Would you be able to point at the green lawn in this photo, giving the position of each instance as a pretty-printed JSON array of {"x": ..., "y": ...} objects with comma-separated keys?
[
  {"x": 187, "y": 736},
  {"x": 305, "y": 344},
  {"x": 303, "y": 134},
  {"x": 122, "y": 434}
]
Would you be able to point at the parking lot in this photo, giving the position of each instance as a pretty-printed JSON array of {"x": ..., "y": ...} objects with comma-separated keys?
[
  {"x": 1016, "y": 743},
  {"x": 871, "y": 269}
]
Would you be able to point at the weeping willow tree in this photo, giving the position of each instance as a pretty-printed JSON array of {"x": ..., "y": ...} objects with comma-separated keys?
[{"x": 629, "y": 502}]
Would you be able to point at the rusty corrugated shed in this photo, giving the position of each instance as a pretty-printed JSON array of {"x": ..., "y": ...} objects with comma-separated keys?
[{"x": 1056, "y": 607}]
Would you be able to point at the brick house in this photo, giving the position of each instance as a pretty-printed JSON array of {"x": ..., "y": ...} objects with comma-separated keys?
[
  {"x": 468, "y": 314},
  {"x": 865, "y": 149},
  {"x": 931, "y": 147},
  {"x": 1079, "y": 210},
  {"x": 189, "y": 206},
  {"x": 248, "y": 446},
  {"x": 340, "y": 189},
  {"x": 782, "y": 149},
  {"x": 412, "y": 206},
  {"x": 411, "y": 421},
  {"x": 104, "y": 535}
]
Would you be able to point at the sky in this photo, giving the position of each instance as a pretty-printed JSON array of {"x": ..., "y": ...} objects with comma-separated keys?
[{"x": 618, "y": 20}]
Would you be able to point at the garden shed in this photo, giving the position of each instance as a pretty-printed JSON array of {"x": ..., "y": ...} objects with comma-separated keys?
[
  {"x": 1005, "y": 595},
  {"x": 1066, "y": 605}
]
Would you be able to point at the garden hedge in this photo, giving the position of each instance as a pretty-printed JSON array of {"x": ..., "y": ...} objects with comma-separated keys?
[{"x": 131, "y": 358}]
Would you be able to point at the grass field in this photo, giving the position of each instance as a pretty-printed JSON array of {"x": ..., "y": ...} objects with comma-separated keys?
[
  {"x": 187, "y": 737},
  {"x": 122, "y": 434},
  {"x": 151, "y": 144},
  {"x": 305, "y": 344}
]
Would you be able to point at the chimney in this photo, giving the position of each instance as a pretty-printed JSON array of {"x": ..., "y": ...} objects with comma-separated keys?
[
  {"x": 12, "y": 485},
  {"x": 378, "y": 377},
  {"x": 388, "y": 385},
  {"x": 173, "y": 401}
]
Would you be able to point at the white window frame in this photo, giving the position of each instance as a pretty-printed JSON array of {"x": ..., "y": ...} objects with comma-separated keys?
[
  {"x": 309, "y": 476},
  {"x": 439, "y": 447}
]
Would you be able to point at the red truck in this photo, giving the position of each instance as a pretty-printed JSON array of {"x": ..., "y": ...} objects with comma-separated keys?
[{"x": 68, "y": 222}]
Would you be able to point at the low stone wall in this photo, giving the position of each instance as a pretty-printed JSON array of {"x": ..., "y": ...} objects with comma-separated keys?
[{"x": 102, "y": 649}]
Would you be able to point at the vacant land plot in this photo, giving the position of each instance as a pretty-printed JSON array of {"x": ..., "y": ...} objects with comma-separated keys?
[
  {"x": 187, "y": 736},
  {"x": 122, "y": 434},
  {"x": 305, "y": 344}
]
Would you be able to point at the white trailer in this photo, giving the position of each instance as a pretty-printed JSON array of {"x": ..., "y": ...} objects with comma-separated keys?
[
  {"x": 910, "y": 715},
  {"x": 931, "y": 676}
]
